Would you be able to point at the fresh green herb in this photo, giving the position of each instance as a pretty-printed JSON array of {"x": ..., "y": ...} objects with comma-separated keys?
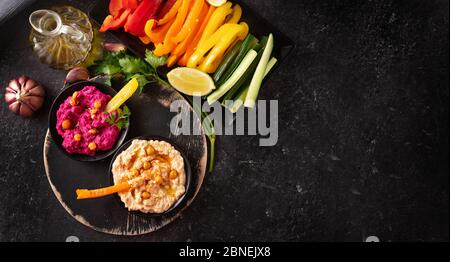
[
  {"x": 128, "y": 66},
  {"x": 109, "y": 65},
  {"x": 143, "y": 81},
  {"x": 119, "y": 118},
  {"x": 154, "y": 60},
  {"x": 133, "y": 65},
  {"x": 107, "y": 69}
]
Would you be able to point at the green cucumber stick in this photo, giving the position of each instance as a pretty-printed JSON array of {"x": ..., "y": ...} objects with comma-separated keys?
[
  {"x": 242, "y": 68},
  {"x": 239, "y": 101},
  {"x": 258, "y": 77}
]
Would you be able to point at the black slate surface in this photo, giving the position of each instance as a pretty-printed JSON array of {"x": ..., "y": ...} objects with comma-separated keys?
[{"x": 363, "y": 147}]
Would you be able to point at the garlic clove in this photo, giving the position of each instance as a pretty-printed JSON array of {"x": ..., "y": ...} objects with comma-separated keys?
[
  {"x": 14, "y": 85},
  {"x": 22, "y": 80},
  {"x": 77, "y": 74},
  {"x": 36, "y": 92},
  {"x": 30, "y": 84},
  {"x": 10, "y": 97},
  {"x": 26, "y": 110},
  {"x": 34, "y": 102},
  {"x": 14, "y": 106},
  {"x": 114, "y": 47}
]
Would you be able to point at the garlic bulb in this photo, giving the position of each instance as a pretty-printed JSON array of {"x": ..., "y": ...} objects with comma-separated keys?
[{"x": 24, "y": 96}]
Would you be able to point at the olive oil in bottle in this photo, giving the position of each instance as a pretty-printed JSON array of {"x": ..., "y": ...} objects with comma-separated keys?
[{"x": 63, "y": 37}]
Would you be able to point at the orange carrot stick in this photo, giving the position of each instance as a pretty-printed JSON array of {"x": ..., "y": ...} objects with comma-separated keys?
[{"x": 101, "y": 192}]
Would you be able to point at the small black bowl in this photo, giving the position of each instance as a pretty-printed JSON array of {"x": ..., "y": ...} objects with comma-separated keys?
[
  {"x": 63, "y": 95},
  {"x": 178, "y": 205}
]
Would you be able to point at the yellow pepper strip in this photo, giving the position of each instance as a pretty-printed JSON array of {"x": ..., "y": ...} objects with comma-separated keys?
[
  {"x": 157, "y": 35},
  {"x": 101, "y": 192},
  {"x": 171, "y": 14},
  {"x": 145, "y": 39},
  {"x": 123, "y": 95},
  {"x": 149, "y": 26},
  {"x": 167, "y": 46},
  {"x": 236, "y": 15},
  {"x": 212, "y": 61},
  {"x": 198, "y": 56},
  {"x": 181, "y": 48},
  {"x": 193, "y": 45},
  {"x": 190, "y": 22},
  {"x": 216, "y": 46},
  {"x": 216, "y": 20}
]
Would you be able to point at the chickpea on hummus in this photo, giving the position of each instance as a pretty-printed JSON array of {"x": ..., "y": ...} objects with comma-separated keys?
[{"x": 155, "y": 172}]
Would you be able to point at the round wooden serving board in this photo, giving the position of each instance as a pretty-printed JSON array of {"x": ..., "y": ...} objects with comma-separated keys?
[{"x": 151, "y": 116}]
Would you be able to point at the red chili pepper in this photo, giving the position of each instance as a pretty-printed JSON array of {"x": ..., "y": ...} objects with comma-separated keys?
[
  {"x": 111, "y": 23},
  {"x": 146, "y": 10}
]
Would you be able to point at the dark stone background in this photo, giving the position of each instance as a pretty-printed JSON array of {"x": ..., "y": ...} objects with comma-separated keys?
[{"x": 363, "y": 146}]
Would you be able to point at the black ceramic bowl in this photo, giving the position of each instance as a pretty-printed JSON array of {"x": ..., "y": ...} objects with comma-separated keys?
[
  {"x": 180, "y": 203},
  {"x": 67, "y": 92}
]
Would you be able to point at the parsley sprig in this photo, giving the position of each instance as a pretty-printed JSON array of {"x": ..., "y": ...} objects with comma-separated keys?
[
  {"x": 120, "y": 118},
  {"x": 123, "y": 64}
]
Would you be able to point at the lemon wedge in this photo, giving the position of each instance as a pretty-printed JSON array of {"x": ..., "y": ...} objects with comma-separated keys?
[
  {"x": 217, "y": 3},
  {"x": 124, "y": 94},
  {"x": 190, "y": 81}
]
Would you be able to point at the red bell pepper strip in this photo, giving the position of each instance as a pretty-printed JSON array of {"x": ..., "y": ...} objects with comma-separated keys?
[
  {"x": 146, "y": 10},
  {"x": 166, "y": 8},
  {"x": 111, "y": 23},
  {"x": 130, "y": 4},
  {"x": 116, "y": 7},
  {"x": 171, "y": 14}
]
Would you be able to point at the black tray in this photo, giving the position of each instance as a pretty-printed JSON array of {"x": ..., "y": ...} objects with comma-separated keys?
[{"x": 258, "y": 26}]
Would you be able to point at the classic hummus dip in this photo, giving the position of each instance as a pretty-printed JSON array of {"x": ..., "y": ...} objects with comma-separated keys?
[
  {"x": 155, "y": 172},
  {"x": 81, "y": 123}
]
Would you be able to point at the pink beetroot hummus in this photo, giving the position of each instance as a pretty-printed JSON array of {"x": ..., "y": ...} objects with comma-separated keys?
[{"x": 81, "y": 123}]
